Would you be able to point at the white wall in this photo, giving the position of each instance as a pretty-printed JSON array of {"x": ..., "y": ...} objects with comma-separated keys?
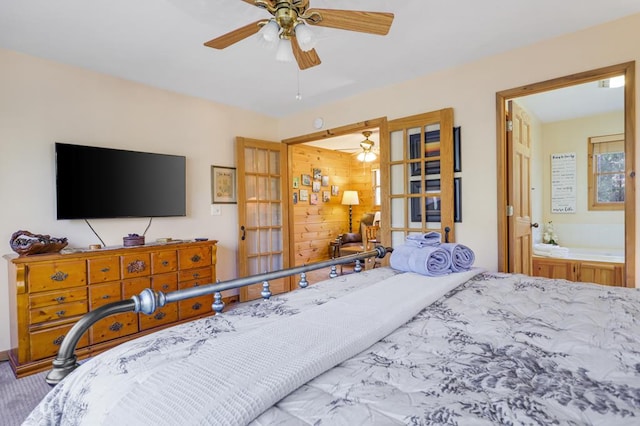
[
  {"x": 584, "y": 228},
  {"x": 43, "y": 102},
  {"x": 471, "y": 90}
]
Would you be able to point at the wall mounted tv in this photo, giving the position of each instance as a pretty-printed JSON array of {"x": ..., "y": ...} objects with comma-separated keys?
[{"x": 98, "y": 183}]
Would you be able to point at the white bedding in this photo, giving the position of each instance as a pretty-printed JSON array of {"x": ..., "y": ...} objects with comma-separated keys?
[{"x": 499, "y": 349}]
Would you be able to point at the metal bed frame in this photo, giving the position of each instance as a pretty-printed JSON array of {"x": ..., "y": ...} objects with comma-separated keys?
[{"x": 149, "y": 300}]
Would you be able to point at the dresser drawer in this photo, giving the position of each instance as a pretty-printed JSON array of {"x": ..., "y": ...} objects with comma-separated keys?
[
  {"x": 59, "y": 297},
  {"x": 164, "y": 261},
  {"x": 56, "y": 275},
  {"x": 101, "y": 294},
  {"x": 56, "y": 312},
  {"x": 165, "y": 315},
  {"x": 45, "y": 343},
  {"x": 199, "y": 276},
  {"x": 165, "y": 282},
  {"x": 193, "y": 307},
  {"x": 103, "y": 269},
  {"x": 114, "y": 326},
  {"x": 135, "y": 265},
  {"x": 194, "y": 257}
]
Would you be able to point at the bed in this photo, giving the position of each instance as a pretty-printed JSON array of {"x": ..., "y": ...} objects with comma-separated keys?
[{"x": 378, "y": 347}]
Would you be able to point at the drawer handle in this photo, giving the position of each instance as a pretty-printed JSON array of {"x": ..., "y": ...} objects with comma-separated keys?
[
  {"x": 136, "y": 266},
  {"x": 58, "y": 340},
  {"x": 196, "y": 258},
  {"x": 106, "y": 296},
  {"x": 196, "y": 275},
  {"x": 60, "y": 314},
  {"x": 196, "y": 306},
  {"x": 160, "y": 315},
  {"x": 116, "y": 326},
  {"x": 165, "y": 286},
  {"x": 165, "y": 263},
  {"x": 59, "y": 276},
  {"x": 105, "y": 270},
  {"x": 60, "y": 299}
]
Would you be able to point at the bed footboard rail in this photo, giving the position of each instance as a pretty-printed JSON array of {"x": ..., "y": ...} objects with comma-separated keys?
[{"x": 149, "y": 300}]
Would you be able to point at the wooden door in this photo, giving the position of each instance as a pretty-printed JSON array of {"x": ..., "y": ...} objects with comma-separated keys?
[
  {"x": 420, "y": 187},
  {"x": 262, "y": 214},
  {"x": 519, "y": 189}
]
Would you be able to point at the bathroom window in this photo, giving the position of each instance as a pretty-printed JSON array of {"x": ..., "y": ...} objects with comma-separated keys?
[{"x": 606, "y": 172}]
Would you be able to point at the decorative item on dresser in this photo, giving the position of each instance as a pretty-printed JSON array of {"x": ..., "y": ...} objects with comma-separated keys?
[
  {"x": 48, "y": 294},
  {"x": 26, "y": 243}
]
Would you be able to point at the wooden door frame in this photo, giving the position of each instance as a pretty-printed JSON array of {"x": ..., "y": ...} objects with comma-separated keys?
[
  {"x": 381, "y": 124},
  {"x": 628, "y": 69}
]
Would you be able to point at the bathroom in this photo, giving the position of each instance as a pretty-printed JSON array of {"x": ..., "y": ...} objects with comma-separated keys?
[{"x": 567, "y": 125}]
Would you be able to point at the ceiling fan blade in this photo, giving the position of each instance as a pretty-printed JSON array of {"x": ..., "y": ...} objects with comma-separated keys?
[
  {"x": 235, "y": 36},
  {"x": 305, "y": 59},
  {"x": 253, "y": 2},
  {"x": 352, "y": 20}
]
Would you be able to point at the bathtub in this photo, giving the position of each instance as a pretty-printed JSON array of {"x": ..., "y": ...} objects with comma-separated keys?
[
  {"x": 586, "y": 254},
  {"x": 601, "y": 266}
]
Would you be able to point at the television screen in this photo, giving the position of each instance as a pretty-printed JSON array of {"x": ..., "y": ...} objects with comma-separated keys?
[{"x": 94, "y": 183}]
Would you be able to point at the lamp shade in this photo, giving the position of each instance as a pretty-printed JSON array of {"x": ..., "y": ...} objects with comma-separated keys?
[{"x": 350, "y": 198}]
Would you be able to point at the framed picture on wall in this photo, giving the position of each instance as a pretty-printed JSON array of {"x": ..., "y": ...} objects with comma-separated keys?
[
  {"x": 306, "y": 180},
  {"x": 223, "y": 185},
  {"x": 296, "y": 182},
  {"x": 304, "y": 195}
]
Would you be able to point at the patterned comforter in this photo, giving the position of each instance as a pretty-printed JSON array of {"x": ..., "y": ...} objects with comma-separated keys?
[{"x": 498, "y": 349}]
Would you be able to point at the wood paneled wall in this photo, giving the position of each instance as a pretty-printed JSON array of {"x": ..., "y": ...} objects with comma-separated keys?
[{"x": 316, "y": 226}]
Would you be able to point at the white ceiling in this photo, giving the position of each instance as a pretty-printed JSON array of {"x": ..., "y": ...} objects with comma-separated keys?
[{"x": 160, "y": 43}]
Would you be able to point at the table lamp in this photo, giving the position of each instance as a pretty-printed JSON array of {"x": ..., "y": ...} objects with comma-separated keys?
[{"x": 350, "y": 198}]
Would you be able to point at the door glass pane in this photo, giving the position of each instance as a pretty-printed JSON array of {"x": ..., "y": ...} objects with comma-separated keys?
[
  {"x": 276, "y": 218},
  {"x": 276, "y": 262},
  {"x": 397, "y": 212},
  {"x": 397, "y": 179},
  {"x": 274, "y": 163},
  {"x": 276, "y": 240},
  {"x": 275, "y": 189},
  {"x": 396, "y": 144},
  {"x": 250, "y": 185},
  {"x": 252, "y": 217},
  {"x": 263, "y": 188},
  {"x": 397, "y": 238},
  {"x": 265, "y": 239},
  {"x": 264, "y": 264},
  {"x": 252, "y": 264},
  {"x": 249, "y": 162},
  {"x": 261, "y": 161},
  {"x": 264, "y": 214},
  {"x": 252, "y": 242}
]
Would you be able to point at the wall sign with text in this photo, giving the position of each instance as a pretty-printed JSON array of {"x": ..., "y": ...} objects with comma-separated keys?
[{"x": 563, "y": 182}]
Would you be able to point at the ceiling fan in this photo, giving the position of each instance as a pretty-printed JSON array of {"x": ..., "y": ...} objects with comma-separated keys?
[{"x": 288, "y": 27}]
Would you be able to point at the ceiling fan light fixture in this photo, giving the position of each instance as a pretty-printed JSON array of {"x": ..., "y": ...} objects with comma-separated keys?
[
  {"x": 366, "y": 157},
  {"x": 284, "y": 52},
  {"x": 306, "y": 38},
  {"x": 269, "y": 32}
]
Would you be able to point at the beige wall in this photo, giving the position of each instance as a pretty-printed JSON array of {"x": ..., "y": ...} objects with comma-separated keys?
[
  {"x": 471, "y": 90},
  {"x": 42, "y": 102},
  {"x": 585, "y": 228}
]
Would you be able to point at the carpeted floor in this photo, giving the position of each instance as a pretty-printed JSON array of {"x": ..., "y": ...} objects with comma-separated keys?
[{"x": 19, "y": 396}]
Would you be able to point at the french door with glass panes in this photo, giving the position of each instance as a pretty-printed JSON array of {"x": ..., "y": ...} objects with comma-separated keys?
[
  {"x": 421, "y": 175},
  {"x": 262, "y": 214}
]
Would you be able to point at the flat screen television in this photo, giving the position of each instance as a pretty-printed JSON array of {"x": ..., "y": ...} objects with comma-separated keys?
[{"x": 100, "y": 183}]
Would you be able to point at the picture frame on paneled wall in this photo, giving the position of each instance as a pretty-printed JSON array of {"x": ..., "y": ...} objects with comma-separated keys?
[
  {"x": 223, "y": 185},
  {"x": 306, "y": 180}
]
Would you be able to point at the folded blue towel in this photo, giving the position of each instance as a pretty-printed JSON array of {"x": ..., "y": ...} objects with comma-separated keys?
[
  {"x": 462, "y": 257},
  {"x": 424, "y": 240},
  {"x": 430, "y": 261}
]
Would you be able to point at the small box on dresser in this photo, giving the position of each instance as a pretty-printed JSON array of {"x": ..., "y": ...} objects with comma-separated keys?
[{"x": 49, "y": 293}]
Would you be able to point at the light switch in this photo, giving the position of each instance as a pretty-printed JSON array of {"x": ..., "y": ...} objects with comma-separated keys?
[{"x": 215, "y": 210}]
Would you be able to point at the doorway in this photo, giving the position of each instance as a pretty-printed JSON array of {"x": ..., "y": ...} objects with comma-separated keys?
[{"x": 506, "y": 250}]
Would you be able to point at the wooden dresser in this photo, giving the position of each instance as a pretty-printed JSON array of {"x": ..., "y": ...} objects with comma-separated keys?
[{"x": 48, "y": 293}]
